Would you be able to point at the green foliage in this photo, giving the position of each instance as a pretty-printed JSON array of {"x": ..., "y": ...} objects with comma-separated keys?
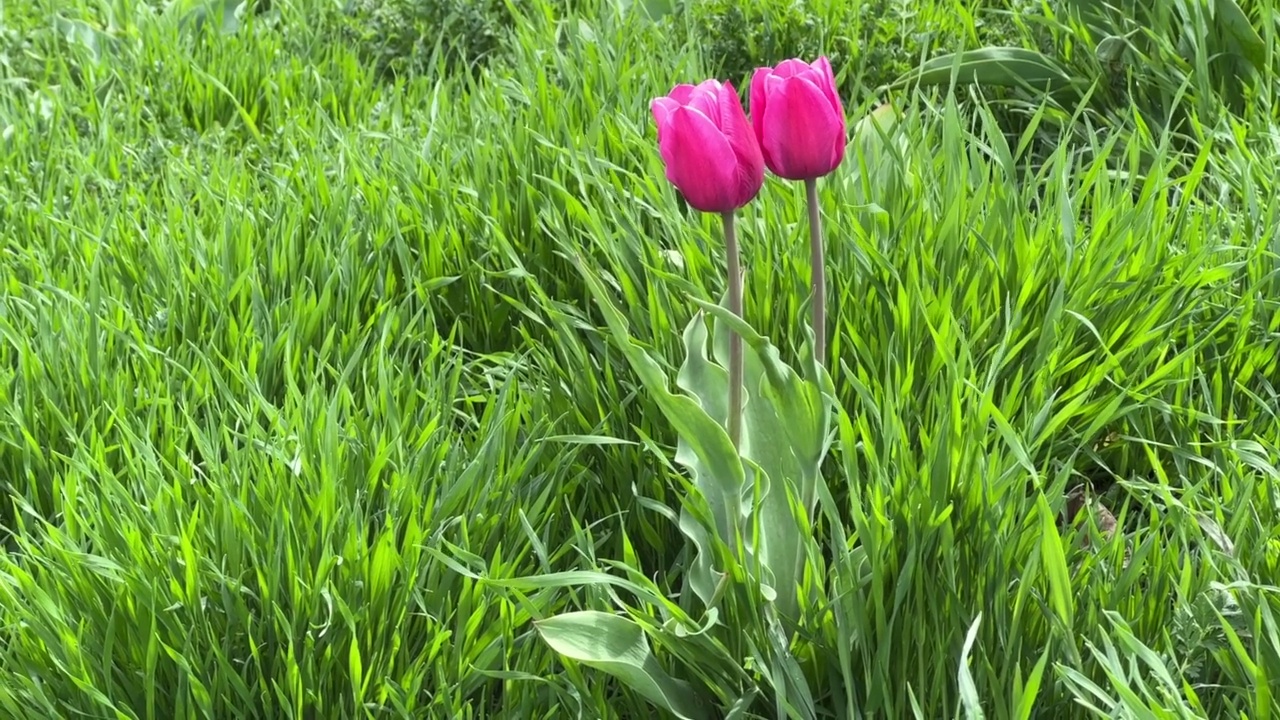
[
  {"x": 874, "y": 41},
  {"x": 747, "y": 514},
  {"x": 888, "y": 36},
  {"x": 405, "y": 37},
  {"x": 738, "y": 37},
  {"x": 1130, "y": 67},
  {"x": 755, "y": 501},
  {"x": 618, "y": 646},
  {"x": 1207, "y": 50}
]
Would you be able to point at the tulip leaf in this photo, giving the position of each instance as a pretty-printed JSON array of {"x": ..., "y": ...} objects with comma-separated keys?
[
  {"x": 708, "y": 383},
  {"x": 1232, "y": 21},
  {"x": 618, "y": 646},
  {"x": 875, "y": 145},
  {"x": 999, "y": 66},
  {"x": 228, "y": 14},
  {"x": 97, "y": 42},
  {"x": 786, "y": 433},
  {"x": 658, "y": 9},
  {"x": 704, "y": 449}
]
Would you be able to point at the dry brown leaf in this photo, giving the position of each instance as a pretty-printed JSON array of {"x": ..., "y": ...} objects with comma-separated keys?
[{"x": 1077, "y": 500}]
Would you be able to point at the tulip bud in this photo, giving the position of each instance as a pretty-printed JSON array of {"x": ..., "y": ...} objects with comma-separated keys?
[
  {"x": 798, "y": 118},
  {"x": 707, "y": 146}
]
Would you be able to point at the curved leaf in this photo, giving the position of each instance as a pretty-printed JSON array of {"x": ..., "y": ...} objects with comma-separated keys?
[
  {"x": 786, "y": 433},
  {"x": 704, "y": 448},
  {"x": 1234, "y": 23},
  {"x": 999, "y": 66},
  {"x": 618, "y": 646}
]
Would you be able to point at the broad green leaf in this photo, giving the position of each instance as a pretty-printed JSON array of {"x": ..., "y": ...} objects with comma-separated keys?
[
  {"x": 1000, "y": 66},
  {"x": 786, "y": 432},
  {"x": 618, "y": 646},
  {"x": 874, "y": 143},
  {"x": 227, "y": 13},
  {"x": 706, "y": 381},
  {"x": 96, "y": 41},
  {"x": 704, "y": 448},
  {"x": 1111, "y": 48},
  {"x": 1233, "y": 22},
  {"x": 654, "y": 10},
  {"x": 658, "y": 9},
  {"x": 785, "y": 435}
]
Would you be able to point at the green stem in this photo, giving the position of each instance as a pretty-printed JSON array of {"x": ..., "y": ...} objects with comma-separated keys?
[
  {"x": 819, "y": 273},
  {"x": 735, "y": 340}
]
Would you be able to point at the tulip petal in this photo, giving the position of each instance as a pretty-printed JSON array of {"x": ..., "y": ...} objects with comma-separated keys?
[
  {"x": 711, "y": 90},
  {"x": 699, "y": 161},
  {"x": 710, "y": 85},
  {"x": 828, "y": 83},
  {"x": 662, "y": 108},
  {"x": 742, "y": 139},
  {"x": 792, "y": 68},
  {"x": 759, "y": 101},
  {"x": 708, "y": 104},
  {"x": 681, "y": 93},
  {"x": 773, "y": 82},
  {"x": 802, "y": 130}
]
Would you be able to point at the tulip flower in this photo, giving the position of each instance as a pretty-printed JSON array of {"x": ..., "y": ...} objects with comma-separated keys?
[
  {"x": 710, "y": 152},
  {"x": 799, "y": 122},
  {"x": 713, "y": 158},
  {"x": 798, "y": 118}
]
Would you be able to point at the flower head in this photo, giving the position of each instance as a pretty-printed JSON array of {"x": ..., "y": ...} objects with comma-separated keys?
[
  {"x": 798, "y": 118},
  {"x": 707, "y": 146}
]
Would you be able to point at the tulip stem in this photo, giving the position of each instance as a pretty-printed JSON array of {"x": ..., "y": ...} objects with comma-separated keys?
[
  {"x": 819, "y": 273},
  {"x": 735, "y": 340}
]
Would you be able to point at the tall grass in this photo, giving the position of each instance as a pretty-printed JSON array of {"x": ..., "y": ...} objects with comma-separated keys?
[{"x": 305, "y": 403}]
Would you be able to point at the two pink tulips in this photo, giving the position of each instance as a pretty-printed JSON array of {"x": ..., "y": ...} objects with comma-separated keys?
[{"x": 716, "y": 159}]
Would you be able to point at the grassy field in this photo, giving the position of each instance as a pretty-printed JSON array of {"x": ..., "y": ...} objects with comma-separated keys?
[{"x": 306, "y": 411}]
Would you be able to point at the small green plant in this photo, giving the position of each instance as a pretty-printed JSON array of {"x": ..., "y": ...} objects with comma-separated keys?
[
  {"x": 1131, "y": 67},
  {"x": 403, "y": 37},
  {"x": 738, "y": 37},
  {"x": 878, "y": 40}
]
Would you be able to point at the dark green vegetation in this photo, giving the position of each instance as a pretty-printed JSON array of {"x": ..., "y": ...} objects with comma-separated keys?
[{"x": 302, "y": 394}]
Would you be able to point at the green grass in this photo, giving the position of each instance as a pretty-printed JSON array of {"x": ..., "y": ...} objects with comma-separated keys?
[{"x": 301, "y": 392}]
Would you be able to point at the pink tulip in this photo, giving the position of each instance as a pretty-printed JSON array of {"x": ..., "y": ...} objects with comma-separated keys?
[
  {"x": 706, "y": 143},
  {"x": 798, "y": 119}
]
